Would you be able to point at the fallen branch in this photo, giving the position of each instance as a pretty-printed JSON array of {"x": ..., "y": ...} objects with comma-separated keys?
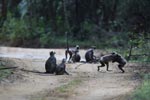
[{"x": 8, "y": 68}]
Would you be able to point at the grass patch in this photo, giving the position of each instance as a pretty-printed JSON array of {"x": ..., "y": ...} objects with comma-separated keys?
[
  {"x": 68, "y": 87},
  {"x": 143, "y": 92},
  {"x": 4, "y": 73},
  {"x": 62, "y": 92}
]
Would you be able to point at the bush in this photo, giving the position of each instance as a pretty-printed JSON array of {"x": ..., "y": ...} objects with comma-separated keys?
[
  {"x": 4, "y": 73},
  {"x": 15, "y": 30},
  {"x": 143, "y": 92}
]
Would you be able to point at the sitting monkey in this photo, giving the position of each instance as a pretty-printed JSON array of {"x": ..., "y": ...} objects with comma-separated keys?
[
  {"x": 50, "y": 64},
  {"x": 61, "y": 68},
  {"x": 114, "y": 57},
  {"x": 89, "y": 55},
  {"x": 76, "y": 57},
  {"x": 71, "y": 52}
]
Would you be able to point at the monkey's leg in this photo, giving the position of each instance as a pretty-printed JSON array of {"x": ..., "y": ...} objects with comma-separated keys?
[
  {"x": 66, "y": 53},
  {"x": 66, "y": 72},
  {"x": 102, "y": 65},
  {"x": 107, "y": 66},
  {"x": 120, "y": 67},
  {"x": 70, "y": 56}
]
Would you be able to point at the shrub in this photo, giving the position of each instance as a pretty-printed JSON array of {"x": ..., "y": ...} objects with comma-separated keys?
[
  {"x": 15, "y": 30},
  {"x": 143, "y": 92}
]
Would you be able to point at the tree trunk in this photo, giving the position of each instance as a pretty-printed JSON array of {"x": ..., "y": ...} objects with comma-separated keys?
[
  {"x": 130, "y": 52},
  {"x": 114, "y": 10},
  {"x": 3, "y": 12},
  {"x": 4, "y": 9},
  {"x": 66, "y": 16}
]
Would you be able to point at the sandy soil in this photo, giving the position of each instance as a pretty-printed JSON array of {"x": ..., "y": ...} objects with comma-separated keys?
[{"x": 30, "y": 83}]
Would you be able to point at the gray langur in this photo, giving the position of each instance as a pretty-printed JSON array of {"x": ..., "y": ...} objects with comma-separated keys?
[
  {"x": 89, "y": 55},
  {"x": 76, "y": 57},
  {"x": 50, "y": 64},
  {"x": 71, "y": 52},
  {"x": 61, "y": 68},
  {"x": 114, "y": 57}
]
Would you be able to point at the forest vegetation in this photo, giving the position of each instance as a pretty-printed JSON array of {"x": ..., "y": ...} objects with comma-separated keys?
[
  {"x": 121, "y": 25},
  {"x": 44, "y": 23}
]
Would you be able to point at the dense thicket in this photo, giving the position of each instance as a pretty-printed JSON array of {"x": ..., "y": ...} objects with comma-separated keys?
[{"x": 44, "y": 23}]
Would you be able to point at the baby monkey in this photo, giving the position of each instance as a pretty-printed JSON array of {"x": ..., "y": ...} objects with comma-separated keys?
[
  {"x": 61, "y": 68},
  {"x": 114, "y": 57}
]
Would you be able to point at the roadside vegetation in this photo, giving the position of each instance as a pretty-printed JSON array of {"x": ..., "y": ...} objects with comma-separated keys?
[
  {"x": 4, "y": 73},
  {"x": 62, "y": 92},
  {"x": 103, "y": 23},
  {"x": 143, "y": 91},
  {"x": 111, "y": 25}
]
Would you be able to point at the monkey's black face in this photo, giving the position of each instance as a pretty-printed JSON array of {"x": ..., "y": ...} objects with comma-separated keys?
[
  {"x": 52, "y": 53},
  {"x": 77, "y": 48}
]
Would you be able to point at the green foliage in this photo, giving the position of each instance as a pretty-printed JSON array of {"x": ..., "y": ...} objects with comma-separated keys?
[
  {"x": 139, "y": 46},
  {"x": 16, "y": 30},
  {"x": 68, "y": 87},
  {"x": 4, "y": 73},
  {"x": 86, "y": 32},
  {"x": 49, "y": 40},
  {"x": 142, "y": 93},
  {"x": 46, "y": 40},
  {"x": 104, "y": 23}
]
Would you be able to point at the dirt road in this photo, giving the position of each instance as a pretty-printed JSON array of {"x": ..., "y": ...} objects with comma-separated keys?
[{"x": 83, "y": 83}]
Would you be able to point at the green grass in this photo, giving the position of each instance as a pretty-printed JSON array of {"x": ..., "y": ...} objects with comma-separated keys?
[
  {"x": 68, "y": 87},
  {"x": 143, "y": 92},
  {"x": 4, "y": 73},
  {"x": 61, "y": 93}
]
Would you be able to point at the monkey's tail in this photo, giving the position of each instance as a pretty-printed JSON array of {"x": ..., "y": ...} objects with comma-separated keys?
[
  {"x": 67, "y": 41},
  {"x": 79, "y": 65},
  {"x": 66, "y": 53},
  {"x": 67, "y": 44}
]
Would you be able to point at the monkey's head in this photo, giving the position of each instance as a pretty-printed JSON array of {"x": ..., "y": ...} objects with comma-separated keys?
[
  {"x": 115, "y": 56},
  {"x": 114, "y": 53},
  {"x": 93, "y": 47},
  {"x": 52, "y": 53},
  {"x": 77, "y": 46}
]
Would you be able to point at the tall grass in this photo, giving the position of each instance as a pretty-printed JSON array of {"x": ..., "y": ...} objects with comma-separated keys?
[
  {"x": 4, "y": 73},
  {"x": 143, "y": 92}
]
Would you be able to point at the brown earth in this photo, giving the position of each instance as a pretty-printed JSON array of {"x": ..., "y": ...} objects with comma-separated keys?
[{"x": 84, "y": 83}]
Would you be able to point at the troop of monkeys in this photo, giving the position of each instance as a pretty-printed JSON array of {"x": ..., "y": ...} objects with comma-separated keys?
[{"x": 52, "y": 67}]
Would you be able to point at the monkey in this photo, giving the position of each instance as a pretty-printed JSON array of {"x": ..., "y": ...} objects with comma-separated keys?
[
  {"x": 71, "y": 51},
  {"x": 61, "y": 68},
  {"x": 76, "y": 57},
  {"x": 50, "y": 64},
  {"x": 114, "y": 57},
  {"x": 89, "y": 55},
  {"x": 121, "y": 61}
]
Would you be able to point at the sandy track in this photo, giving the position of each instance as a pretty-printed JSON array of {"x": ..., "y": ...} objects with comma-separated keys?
[{"x": 30, "y": 85}]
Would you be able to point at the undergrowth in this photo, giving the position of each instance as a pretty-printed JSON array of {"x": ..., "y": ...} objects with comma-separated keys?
[
  {"x": 143, "y": 92},
  {"x": 4, "y": 73}
]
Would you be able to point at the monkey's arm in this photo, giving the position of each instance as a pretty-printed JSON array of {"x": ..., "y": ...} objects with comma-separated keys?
[
  {"x": 102, "y": 65},
  {"x": 108, "y": 66},
  {"x": 120, "y": 67}
]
